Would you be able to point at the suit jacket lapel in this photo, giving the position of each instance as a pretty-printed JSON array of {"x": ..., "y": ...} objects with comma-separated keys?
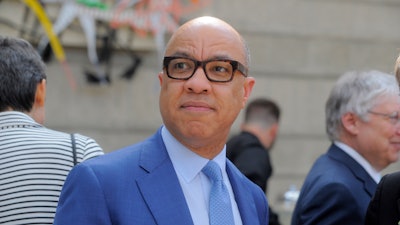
[
  {"x": 244, "y": 199},
  {"x": 160, "y": 186},
  {"x": 358, "y": 171}
]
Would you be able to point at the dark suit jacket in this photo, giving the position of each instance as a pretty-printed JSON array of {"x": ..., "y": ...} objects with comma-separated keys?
[
  {"x": 384, "y": 207},
  {"x": 250, "y": 157},
  {"x": 337, "y": 190},
  {"x": 138, "y": 185}
]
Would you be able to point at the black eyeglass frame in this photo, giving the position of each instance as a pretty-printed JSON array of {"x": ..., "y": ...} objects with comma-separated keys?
[{"x": 236, "y": 66}]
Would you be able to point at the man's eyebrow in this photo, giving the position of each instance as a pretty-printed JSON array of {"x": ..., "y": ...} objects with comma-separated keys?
[
  {"x": 180, "y": 54},
  {"x": 186, "y": 55},
  {"x": 221, "y": 57}
]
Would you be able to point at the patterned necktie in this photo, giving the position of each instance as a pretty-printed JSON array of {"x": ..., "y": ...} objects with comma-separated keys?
[{"x": 220, "y": 211}]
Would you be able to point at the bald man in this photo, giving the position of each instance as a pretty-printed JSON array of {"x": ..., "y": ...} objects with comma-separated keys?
[{"x": 204, "y": 85}]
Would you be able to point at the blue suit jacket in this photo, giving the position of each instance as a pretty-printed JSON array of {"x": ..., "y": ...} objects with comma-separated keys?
[
  {"x": 138, "y": 185},
  {"x": 337, "y": 190}
]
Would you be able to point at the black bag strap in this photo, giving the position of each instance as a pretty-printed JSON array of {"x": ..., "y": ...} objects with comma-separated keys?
[{"x": 73, "y": 148}]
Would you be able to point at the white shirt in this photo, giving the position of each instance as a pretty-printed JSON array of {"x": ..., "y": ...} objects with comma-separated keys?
[
  {"x": 196, "y": 185},
  {"x": 376, "y": 176}
]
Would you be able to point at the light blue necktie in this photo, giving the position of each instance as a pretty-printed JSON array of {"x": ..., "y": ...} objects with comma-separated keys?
[{"x": 220, "y": 211}]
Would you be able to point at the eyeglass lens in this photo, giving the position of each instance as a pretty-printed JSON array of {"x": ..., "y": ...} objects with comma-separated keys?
[{"x": 215, "y": 70}]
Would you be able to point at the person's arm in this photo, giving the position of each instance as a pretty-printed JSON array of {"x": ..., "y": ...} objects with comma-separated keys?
[
  {"x": 88, "y": 146},
  {"x": 333, "y": 204},
  {"x": 82, "y": 201}
]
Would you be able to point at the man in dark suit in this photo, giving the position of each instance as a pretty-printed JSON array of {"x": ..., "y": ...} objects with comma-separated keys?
[
  {"x": 204, "y": 85},
  {"x": 384, "y": 207},
  {"x": 249, "y": 150},
  {"x": 362, "y": 121}
]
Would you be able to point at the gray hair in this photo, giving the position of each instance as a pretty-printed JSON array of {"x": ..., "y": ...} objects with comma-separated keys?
[
  {"x": 246, "y": 51},
  {"x": 356, "y": 92}
]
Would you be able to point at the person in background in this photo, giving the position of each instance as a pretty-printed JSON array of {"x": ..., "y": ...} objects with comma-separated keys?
[
  {"x": 384, "y": 207},
  {"x": 180, "y": 174},
  {"x": 34, "y": 160},
  {"x": 249, "y": 150},
  {"x": 362, "y": 121}
]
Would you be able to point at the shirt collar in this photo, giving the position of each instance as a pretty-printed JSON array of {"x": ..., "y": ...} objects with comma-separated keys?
[
  {"x": 187, "y": 163},
  {"x": 16, "y": 119},
  {"x": 361, "y": 160}
]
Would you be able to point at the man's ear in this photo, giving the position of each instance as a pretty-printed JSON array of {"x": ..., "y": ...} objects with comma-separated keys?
[
  {"x": 350, "y": 122},
  {"x": 40, "y": 95},
  {"x": 248, "y": 87},
  {"x": 274, "y": 130}
]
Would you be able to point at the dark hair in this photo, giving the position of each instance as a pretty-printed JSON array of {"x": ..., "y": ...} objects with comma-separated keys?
[
  {"x": 21, "y": 69},
  {"x": 262, "y": 109}
]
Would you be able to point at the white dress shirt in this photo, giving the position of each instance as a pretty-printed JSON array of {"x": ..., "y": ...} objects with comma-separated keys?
[{"x": 376, "y": 176}]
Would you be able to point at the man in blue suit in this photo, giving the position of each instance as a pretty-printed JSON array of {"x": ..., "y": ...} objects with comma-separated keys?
[
  {"x": 362, "y": 121},
  {"x": 204, "y": 85}
]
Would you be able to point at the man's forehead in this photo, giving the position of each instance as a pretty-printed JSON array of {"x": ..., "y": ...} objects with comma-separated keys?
[{"x": 207, "y": 44}]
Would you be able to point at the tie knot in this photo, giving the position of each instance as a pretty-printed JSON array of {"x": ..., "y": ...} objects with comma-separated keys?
[{"x": 212, "y": 171}]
